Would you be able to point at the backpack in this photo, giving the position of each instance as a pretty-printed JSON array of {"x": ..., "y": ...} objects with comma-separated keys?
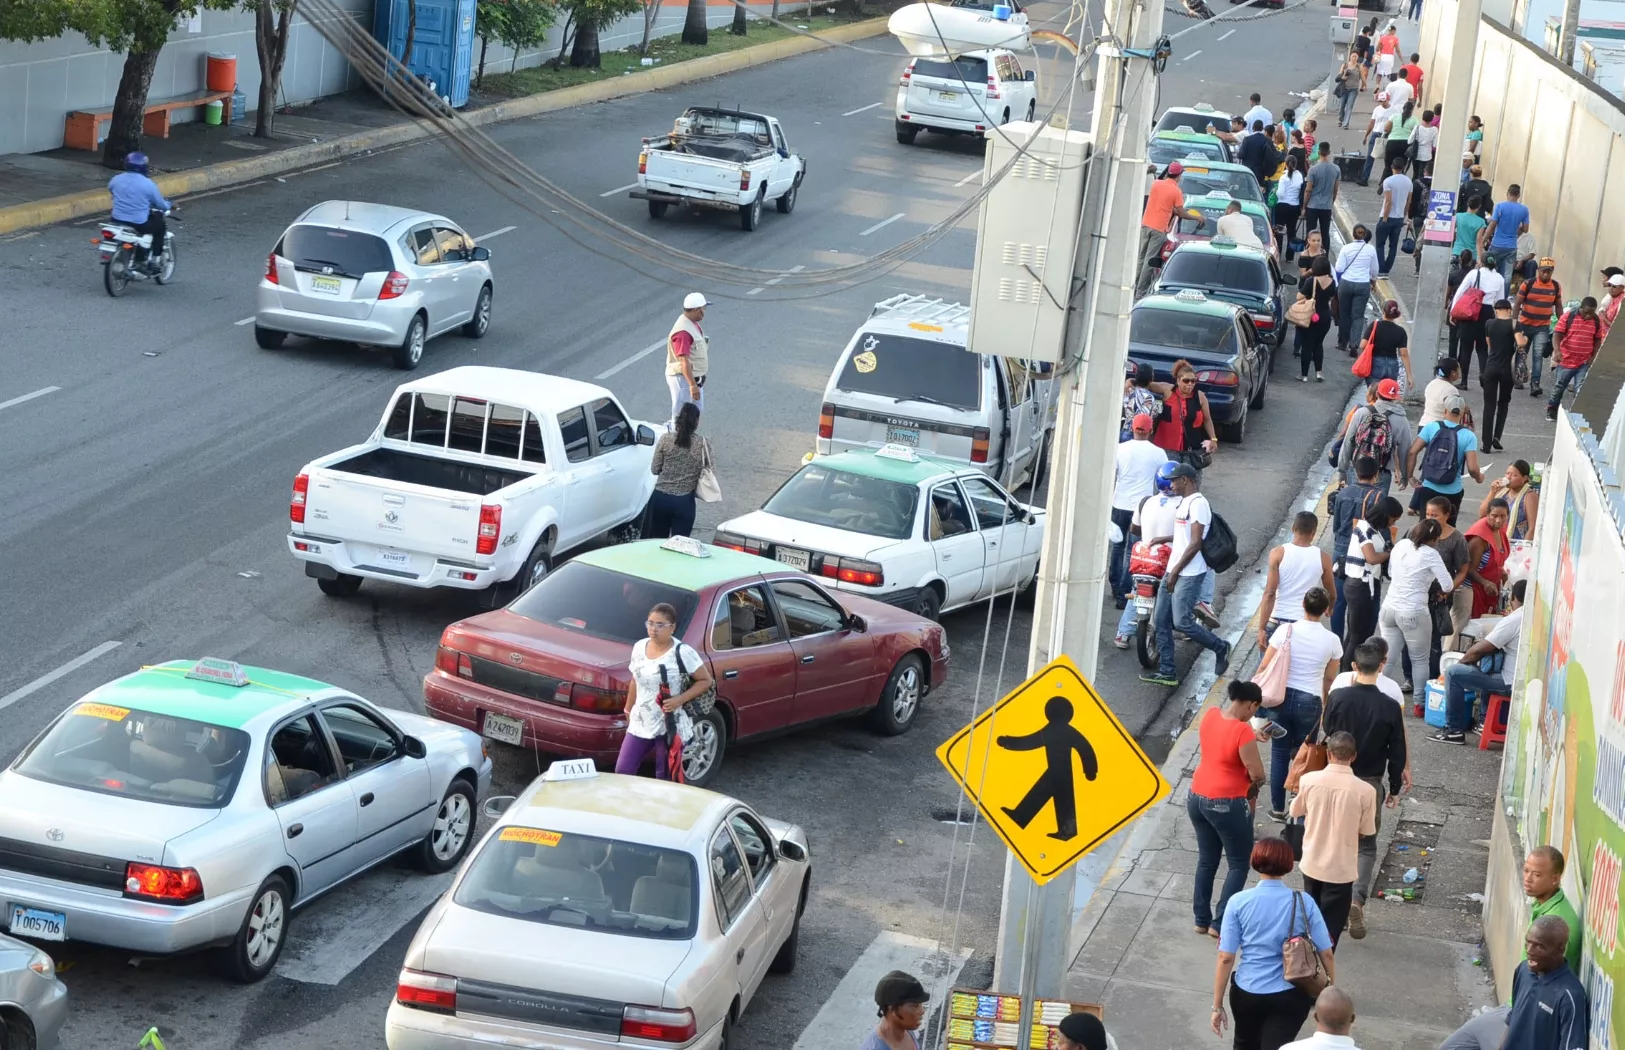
[
  {"x": 1441, "y": 461},
  {"x": 1219, "y": 544},
  {"x": 1373, "y": 438}
]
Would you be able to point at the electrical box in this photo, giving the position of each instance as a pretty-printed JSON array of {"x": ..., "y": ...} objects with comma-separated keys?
[{"x": 1026, "y": 239}]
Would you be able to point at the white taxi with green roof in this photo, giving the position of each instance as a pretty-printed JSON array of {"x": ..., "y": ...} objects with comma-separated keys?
[
  {"x": 908, "y": 529},
  {"x": 188, "y": 806}
]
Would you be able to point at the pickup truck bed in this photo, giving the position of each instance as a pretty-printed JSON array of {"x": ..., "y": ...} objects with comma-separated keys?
[
  {"x": 391, "y": 465},
  {"x": 736, "y": 149}
]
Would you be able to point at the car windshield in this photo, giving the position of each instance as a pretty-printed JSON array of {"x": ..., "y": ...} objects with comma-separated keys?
[
  {"x": 1208, "y": 224},
  {"x": 904, "y": 369},
  {"x": 971, "y": 70},
  {"x": 1195, "y": 120},
  {"x": 140, "y": 755},
  {"x": 605, "y": 604},
  {"x": 843, "y": 500},
  {"x": 564, "y": 879},
  {"x": 1241, "y": 273},
  {"x": 1182, "y": 330},
  {"x": 1165, "y": 150},
  {"x": 348, "y": 253},
  {"x": 1239, "y": 184}
]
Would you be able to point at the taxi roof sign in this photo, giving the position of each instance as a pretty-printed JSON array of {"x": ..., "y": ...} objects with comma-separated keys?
[
  {"x": 898, "y": 452},
  {"x": 1018, "y": 761},
  {"x": 687, "y": 545},
  {"x": 223, "y": 672},
  {"x": 571, "y": 769}
]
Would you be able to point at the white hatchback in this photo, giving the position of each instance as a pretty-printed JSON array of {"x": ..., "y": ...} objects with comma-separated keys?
[{"x": 965, "y": 95}]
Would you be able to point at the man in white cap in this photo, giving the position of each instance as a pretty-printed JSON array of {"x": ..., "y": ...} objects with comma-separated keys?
[{"x": 687, "y": 355}]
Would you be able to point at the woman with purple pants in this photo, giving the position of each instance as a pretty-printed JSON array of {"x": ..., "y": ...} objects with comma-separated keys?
[{"x": 646, "y": 709}]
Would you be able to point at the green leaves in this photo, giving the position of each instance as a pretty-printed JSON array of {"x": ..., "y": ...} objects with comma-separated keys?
[
  {"x": 120, "y": 25},
  {"x": 519, "y": 24}
]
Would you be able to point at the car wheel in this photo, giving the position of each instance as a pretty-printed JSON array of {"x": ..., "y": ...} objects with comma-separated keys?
[
  {"x": 657, "y": 209},
  {"x": 928, "y": 604},
  {"x": 258, "y": 944},
  {"x": 726, "y": 1041},
  {"x": 1145, "y": 644},
  {"x": 907, "y": 133},
  {"x": 1234, "y": 433},
  {"x": 900, "y": 700},
  {"x": 410, "y": 352},
  {"x": 343, "y": 587},
  {"x": 268, "y": 338},
  {"x": 1032, "y": 109},
  {"x": 702, "y": 755},
  {"x": 536, "y": 568},
  {"x": 480, "y": 323},
  {"x": 750, "y": 215},
  {"x": 1005, "y": 119},
  {"x": 785, "y": 960},
  {"x": 787, "y": 203},
  {"x": 446, "y": 844}
]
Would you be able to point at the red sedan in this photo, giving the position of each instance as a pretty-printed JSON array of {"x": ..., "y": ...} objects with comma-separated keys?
[{"x": 550, "y": 671}]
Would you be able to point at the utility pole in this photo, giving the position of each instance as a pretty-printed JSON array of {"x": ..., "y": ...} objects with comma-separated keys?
[
  {"x": 1571, "y": 32},
  {"x": 1035, "y": 923},
  {"x": 1458, "y": 89}
]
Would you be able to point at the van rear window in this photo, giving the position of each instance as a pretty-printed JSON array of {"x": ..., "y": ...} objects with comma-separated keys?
[
  {"x": 972, "y": 70},
  {"x": 348, "y": 253},
  {"x": 905, "y": 369}
]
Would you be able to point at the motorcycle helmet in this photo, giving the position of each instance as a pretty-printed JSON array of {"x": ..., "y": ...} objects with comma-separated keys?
[
  {"x": 1165, "y": 476},
  {"x": 136, "y": 162}
]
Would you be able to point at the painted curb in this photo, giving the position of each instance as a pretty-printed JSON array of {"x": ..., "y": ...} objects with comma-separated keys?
[{"x": 231, "y": 173}]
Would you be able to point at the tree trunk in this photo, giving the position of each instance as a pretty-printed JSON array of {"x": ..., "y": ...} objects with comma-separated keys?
[
  {"x": 271, "y": 44},
  {"x": 694, "y": 29},
  {"x": 479, "y": 77},
  {"x": 124, "y": 129},
  {"x": 651, "y": 11},
  {"x": 566, "y": 39},
  {"x": 584, "y": 51},
  {"x": 775, "y": 10},
  {"x": 738, "y": 26},
  {"x": 411, "y": 34},
  {"x": 1571, "y": 30}
]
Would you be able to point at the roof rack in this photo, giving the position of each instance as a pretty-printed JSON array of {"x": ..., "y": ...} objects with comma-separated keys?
[{"x": 922, "y": 308}]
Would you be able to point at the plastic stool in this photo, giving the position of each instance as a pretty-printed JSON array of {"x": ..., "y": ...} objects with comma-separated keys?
[{"x": 1497, "y": 709}]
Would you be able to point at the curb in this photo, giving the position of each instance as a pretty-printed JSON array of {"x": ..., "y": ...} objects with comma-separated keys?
[{"x": 230, "y": 173}]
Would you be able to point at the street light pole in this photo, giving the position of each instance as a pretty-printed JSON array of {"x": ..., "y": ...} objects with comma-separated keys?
[{"x": 1035, "y": 922}]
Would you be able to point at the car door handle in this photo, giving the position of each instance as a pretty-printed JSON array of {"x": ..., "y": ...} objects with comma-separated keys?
[
  {"x": 739, "y": 956},
  {"x": 731, "y": 674},
  {"x": 947, "y": 557},
  {"x": 294, "y": 830},
  {"x": 809, "y": 658},
  {"x": 992, "y": 543},
  {"x": 366, "y": 800}
]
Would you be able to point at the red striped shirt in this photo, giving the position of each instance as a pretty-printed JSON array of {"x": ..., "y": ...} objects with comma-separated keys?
[{"x": 1539, "y": 300}]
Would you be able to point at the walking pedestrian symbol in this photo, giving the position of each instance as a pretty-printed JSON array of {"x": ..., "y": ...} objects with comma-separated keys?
[{"x": 1052, "y": 770}]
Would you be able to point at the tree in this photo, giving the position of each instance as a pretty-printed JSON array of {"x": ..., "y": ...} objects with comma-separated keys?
[
  {"x": 694, "y": 28},
  {"x": 272, "y": 21},
  {"x": 516, "y": 23},
  {"x": 738, "y": 26},
  {"x": 588, "y": 16}
]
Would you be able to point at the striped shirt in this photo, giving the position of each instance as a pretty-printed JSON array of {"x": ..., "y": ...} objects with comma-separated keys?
[
  {"x": 1538, "y": 301},
  {"x": 1579, "y": 337},
  {"x": 1354, "y": 563}
]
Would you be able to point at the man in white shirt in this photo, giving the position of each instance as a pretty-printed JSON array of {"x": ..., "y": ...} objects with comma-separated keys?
[
  {"x": 1356, "y": 268},
  {"x": 1504, "y": 638},
  {"x": 1258, "y": 112},
  {"x": 1376, "y": 133},
  {"x": 1396, "y": 205},
  {"x": 1399, "y": 90},
  {"x": 1237, "y": 226},
  {"x": 1182, "y": 586},
  {"x": 1137, "y": 463},
  {"x": 1334, "y": 1020}
]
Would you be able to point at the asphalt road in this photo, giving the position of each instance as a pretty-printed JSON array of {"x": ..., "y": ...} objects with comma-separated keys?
[{"x": 145, "y": 494}]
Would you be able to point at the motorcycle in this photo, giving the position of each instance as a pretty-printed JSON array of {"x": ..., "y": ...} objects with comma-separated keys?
[
  {"x": 1148, "y": 564},
  {"x": 118, "y": 245}
]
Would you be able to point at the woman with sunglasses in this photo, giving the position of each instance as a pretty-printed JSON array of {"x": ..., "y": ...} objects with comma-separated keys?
[
  {"x": 658, "y": 660},
  {"x": 1184, "y": 429}
]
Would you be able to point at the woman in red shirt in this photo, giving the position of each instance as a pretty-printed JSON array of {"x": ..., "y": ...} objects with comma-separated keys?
[
  {"x": 1184, "y": 430},
  {"x": 1487, "y": 550},
  {"x": 1223, "y": 792}
]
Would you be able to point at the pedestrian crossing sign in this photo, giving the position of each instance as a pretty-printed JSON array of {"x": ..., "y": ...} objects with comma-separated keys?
[{"x": 1052, "y": 770}]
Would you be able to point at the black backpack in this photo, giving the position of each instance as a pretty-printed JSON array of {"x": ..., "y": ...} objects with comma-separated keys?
[
  {"x": 1219, "y": 544},
  {"x": 1441, "y": 460}
]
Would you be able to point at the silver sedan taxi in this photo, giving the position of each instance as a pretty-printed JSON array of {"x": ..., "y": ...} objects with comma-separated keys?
[
  {"x": 33, "y": 1003},
  {"x": 195, "y": 805},
  {"x": 602, "y": 911}
]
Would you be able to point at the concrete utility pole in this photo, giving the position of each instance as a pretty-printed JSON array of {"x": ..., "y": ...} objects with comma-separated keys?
[
  {"x": 1035, "y": 923},
  {"x": 1458, "y": 87},
  {"x": 1571, "y": 32}
]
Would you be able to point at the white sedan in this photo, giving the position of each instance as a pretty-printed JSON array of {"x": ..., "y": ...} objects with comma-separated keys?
[
  {"x": 904, "y": 528},
  {"x": 601, "y": 911}
]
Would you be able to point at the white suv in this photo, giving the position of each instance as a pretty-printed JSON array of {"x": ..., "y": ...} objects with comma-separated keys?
[{"x": 966, "y": 95}]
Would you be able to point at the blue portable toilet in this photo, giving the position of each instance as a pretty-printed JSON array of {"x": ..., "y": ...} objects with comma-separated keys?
[{"x": 442, "y": 46}]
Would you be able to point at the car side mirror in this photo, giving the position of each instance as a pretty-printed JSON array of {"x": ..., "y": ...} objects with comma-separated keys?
[
  {"x": 854, "y": 622},
  {"x": 646, "y": 434},
  {"x": 497, "y": 805},
  {"x": 479, "y": 255},
  {"x": 1031, "y": 75},
  {"x": 784, "y": 153},
  {"x": 792, "y": 851},
  {"x": 414, "y": 747}
]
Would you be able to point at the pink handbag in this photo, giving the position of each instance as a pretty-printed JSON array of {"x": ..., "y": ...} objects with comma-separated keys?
[{"x": 1271, "y": 677}]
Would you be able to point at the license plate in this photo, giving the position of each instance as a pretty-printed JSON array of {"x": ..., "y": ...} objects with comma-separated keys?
[
  {"x": 1145, "y": 602},
  {"x": 503, "y": 729},
  {"x": 326, "y": 285},
  {"x": 401, "y": 558},
  {"x": 793, "y": 558},
  {"x": 40, "y": 925},
  {"x": 948, "y": 96},
  {"x": 903, "y": 436}
]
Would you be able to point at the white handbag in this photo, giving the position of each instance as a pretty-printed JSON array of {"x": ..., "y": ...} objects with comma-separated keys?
[{"x": 708, "y": 490}]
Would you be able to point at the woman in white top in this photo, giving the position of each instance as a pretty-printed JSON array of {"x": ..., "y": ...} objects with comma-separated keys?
[
  {"x": 1426, "y": 136},
  {"x": 1313, "y": 653},
  {"x": 1289, "y": 199},
  {"x": 1472, "y": 337},
  {"x": 1413, "y": 567},
  {"x": 1446, "y": 374},
  {"x": 660, "y": 665}
]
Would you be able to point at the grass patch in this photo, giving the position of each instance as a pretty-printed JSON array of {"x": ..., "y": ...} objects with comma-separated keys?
[{"x": 666, "y": 50}]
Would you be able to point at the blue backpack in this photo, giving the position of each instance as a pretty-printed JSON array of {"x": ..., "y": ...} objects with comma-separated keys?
[{"x": 1441, "y": 460}]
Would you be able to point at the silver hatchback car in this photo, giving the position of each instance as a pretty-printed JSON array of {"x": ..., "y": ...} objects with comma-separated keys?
[{"x": 376, "y": 275}]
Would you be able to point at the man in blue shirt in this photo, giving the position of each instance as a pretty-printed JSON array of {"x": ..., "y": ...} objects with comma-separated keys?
[
  {"x": 1509, "y": 219},
  {"x": 1550, "y": 1010},
  {"x": 138, "y": 204}
]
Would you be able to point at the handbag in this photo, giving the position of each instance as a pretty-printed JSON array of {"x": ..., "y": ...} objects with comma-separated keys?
[
  {"x": 1408, "y": 244},
  {"x": 1311, "y": 756},
  {"x": 1302, "y": 312},
  {"x": 1271, "y": 677},
  {"x": 1443, "y": 625},
  {"x": 703, "y": 704},
  {"x": 707, "y": 488},
  {"x": 1300, "y": 963},
  {"x": 1468, "y": 303},
  {"x": 1362, "y": 364}
]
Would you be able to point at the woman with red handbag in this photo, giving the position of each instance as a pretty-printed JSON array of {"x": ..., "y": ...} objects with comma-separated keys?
[
  {"x": 653, "y": 699},
  {"x": 1472, "y": 306},
  {"x": 1386, "y": 352}
]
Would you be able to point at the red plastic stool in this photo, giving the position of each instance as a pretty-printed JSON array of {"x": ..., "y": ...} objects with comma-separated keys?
[{"x": 1496, "y": 711}]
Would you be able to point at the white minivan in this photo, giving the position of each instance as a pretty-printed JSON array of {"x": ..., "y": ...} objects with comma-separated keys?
[
  {"x": 964, "y": 95},
  {"x": 905, "y": 378}
]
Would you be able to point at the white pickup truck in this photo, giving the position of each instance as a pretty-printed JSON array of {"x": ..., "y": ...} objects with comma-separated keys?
[
  {"x": 475, "y": 477},
  {"x": 720, "y": 158}
]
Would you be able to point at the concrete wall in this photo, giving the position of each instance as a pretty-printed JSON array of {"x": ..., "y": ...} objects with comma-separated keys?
[{"x": 40, "y": 83}]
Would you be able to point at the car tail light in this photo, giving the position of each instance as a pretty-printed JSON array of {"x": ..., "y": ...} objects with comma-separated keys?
[
  {"x": 826, "y": 420},
  {"x": 1218, "y": 378},
  {"x": 643, "y": 163},
  {"x": 154, "y": 882},
  {"x": 453, "y": 662},
  {"x": 744, "y": 178},
  {"x": 1168, "y": 247},
  {"x": 270, "y": 268},
  {"x": 1263, "y": 321},
  {"x": 394, "y": 285},
  {"x": 296, "y": 503},
  {"x": 665, "y": 1026},
  {"x": 426, "y": 991},
  {"x": 490, "y": 529},
  {"x": 864, "y": 573},
  {"x": 992, "y": 87},
  {"x": 738, "y": 543},
  {"x": 981, "y": 127},
  {"x": 908, "y": 71},
  {"x": 978, "y": 445},
  {"x": 588, "y": 698}
]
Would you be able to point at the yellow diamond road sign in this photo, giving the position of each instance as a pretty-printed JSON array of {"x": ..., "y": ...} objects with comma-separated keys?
[{"x": 1053, "y": 770}]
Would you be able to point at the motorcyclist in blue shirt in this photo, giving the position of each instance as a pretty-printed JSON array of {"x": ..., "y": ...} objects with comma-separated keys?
[{"x": 138, "y": 204}]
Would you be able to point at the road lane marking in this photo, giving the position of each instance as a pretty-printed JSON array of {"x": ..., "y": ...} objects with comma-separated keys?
[
  {"x": 343, "y": 929},
  {"x": 1227, "y": 34},
  {"x": 843, "y": 1020},
  {"x": 494, "y": 233},
  {"x": 224, "y": 189},
  {"x": 862, "y": 109},
  {"x": 1192, "y": 55},
  {"x": 619, "y": 189},
  {"x": 246, "y": 320},
  {"x": 753, "y": 291},
  {"x": 629, "y": 362},
  {"x": 66, "y": 669},
  {"x": 41, "y": 392},
  {"x": 307, "y": 171},
  {"x": 968, "y": 178},
  {"x": 776, "y": 280},
  {"x": 878, "y": 225}
]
